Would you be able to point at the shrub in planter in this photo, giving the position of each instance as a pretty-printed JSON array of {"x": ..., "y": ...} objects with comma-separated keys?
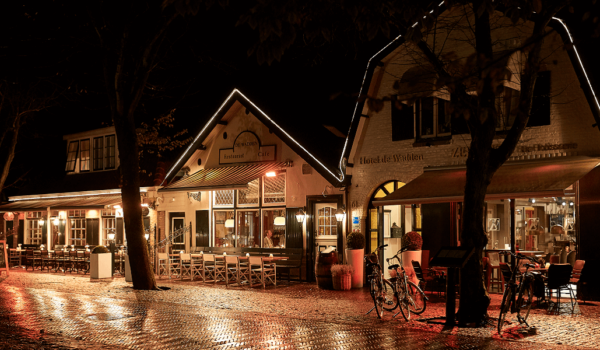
[
  {"x": 100, "y": 250},
  {"x": 355, "y": 240},
  {"x": 342, "y": 276},
  {"x": 412, "y": 240}
]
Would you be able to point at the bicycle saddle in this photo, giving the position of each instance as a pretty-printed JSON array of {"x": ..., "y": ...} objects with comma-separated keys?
[{"x": 393, "y": 267}]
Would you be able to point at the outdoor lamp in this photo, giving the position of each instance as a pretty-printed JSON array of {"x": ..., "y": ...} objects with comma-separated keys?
[
  {"x": 111, "y": 236},
  {"x": 55, "y": 222},
  {"x": 147, "y": 235},
  {"x": 571, "y": 203},
  {"x": 300, "y": 215},
  {"x": 279, "y": 221},
  {"x": 340, "y": 213},
  {"x": 229, "y": 223},
  {"x": 271, "y": 174},
  {"x": 42, "y": 221}
]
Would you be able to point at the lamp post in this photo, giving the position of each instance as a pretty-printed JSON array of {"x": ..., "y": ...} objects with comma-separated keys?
[{"x": 111, "y": 238}]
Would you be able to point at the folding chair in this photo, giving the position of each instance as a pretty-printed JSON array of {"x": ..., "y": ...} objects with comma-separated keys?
[
  {"x": 261, "y": 271},
  {"x": 235, "y": 272},
  {"x": 214, "y": 270},
  {"x": 163, "y": 265},
  {"x": 185, "y": 265},
  {"x": 174, "y": 265},
  {"x": 197, "y": 266}
]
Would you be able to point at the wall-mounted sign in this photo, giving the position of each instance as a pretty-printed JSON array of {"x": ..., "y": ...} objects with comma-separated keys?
[
  {"x": 460, "y": 152},
  {"x": 247, "y": 149},
  {"x": 398, "y": 158}
]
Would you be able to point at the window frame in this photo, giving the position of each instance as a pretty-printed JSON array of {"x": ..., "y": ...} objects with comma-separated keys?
[
  {"x": 332, "y": 216},
  {"x": 214, "y": 224},
  {"x": 251, "y": 205},
  {"x": 264, "y": 196},
  {"x": 33, "y": 220},
  {"x": 88, "y": 160},
  {"x": 419, "y": 118},
  {"x": 98, "y": 158},
  {"x": 233, "y": 197},
  {"x": 107, "y": 156},
  {"x": 262, "y": 223},
  {"x": 69, "y": 152},
  {"x": 73, "y": 230}
]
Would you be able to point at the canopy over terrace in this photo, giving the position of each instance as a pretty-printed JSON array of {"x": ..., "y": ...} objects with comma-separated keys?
[
  {"x": 81, "y": 202},
  {"x": 224, "y": 178},
  {"x": 544, "y": 178}
]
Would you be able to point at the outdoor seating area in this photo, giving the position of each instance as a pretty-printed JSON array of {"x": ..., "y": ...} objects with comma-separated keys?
[{"x": 61, "y": 259}]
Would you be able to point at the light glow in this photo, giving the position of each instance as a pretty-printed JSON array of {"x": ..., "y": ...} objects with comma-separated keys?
[
  {"x": 279, "y": 221},
  {"x": 229, "y": 223},
  {"x": 271, "y": 174}
]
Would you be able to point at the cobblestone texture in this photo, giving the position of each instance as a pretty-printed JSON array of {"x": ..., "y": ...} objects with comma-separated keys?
[{"x": 41, "y": 310}]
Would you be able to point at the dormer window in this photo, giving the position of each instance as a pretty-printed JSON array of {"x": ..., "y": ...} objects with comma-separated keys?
[
  {"x": 84, "y": 164},
  {"x": 72, "y": 155},
  {"x": 97, "y": 153}
]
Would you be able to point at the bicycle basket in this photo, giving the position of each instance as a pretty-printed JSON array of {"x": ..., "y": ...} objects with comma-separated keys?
[{"x": 372, "y": 258}]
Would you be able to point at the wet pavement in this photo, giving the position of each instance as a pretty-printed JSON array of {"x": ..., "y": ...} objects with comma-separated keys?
[{"x": 45, "y": 310}]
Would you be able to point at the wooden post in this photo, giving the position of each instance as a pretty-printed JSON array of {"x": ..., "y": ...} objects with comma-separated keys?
[{"x": 4, "y": 258}]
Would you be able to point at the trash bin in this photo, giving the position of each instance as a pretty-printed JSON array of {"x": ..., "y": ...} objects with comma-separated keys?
[
  {"x": 127, "y": 269},
  {"x": 100, "y": 263}
]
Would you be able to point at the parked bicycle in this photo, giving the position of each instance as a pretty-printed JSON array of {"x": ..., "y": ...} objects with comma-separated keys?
[
  {"x": 523, "y": 290},
  {"x": 382, "y": 290},
  {"x": 410, "y": 296}
]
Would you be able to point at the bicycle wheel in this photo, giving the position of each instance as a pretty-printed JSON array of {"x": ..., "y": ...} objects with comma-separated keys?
[
  {"x": 390, "y": 298},
  {"x": 377, "y": 295},
  {"x": 403, "y": 301},
  {"x": 504, "y": 308},
  {"x": 524, "y": 302},
  {"x": 417, "y": 300}
]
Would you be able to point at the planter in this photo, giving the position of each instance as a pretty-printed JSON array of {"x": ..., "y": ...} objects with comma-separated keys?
[
  {"x": 127, "y": 270},
  {"x": 355, "y": 258},
  {"x": 100, "y": 266},
  {"x": 407, "y": 258},
  {"x": 342, "y": 282},
  {"x": 323, "y": 269}
]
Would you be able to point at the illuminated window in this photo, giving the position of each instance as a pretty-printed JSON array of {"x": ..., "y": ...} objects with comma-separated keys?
[
  {"x": 326, "y": 222},
  {"x": 77, "y": 236},
  {"x": 274, "y": 189},
  {"x": 84, "y": 161},
  {"x": 248, "y": 229},
  {"x": 224, "y": 229},
  {"x": 99, "y": 153},
  {"x": 34, "y": 229},
  {"x": 109, "y": 224},
  {"x": 273, "y": 220},
  {"x": 249, "y": 196},
  {"x": 223, "y": 198},
  {"x": 72, "y": 155}
]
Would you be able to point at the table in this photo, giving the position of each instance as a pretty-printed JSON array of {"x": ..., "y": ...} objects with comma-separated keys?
[{"x": 20, "y": 255}]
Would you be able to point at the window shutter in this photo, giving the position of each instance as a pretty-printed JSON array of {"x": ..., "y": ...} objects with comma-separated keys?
[
  {"x": 119, "y": 235},
  {"x": 540, "y": 104},
  {"x": 403, "y": 122}
]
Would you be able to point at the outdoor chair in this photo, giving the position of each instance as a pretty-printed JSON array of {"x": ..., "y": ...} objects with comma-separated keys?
[
  {"x": 46, "y": 260},
  {"x": 235, "y": 272},
  {"x": 174, "y": 264},
  {"x": 577, "y": 267},
  {"x": 29, "y": 259},
  {"x": 59, "y": 260},
  {"x": 73, "y": 261},
  {"x": 261, "y": 271},
  {"x": 425, "y": 278},
  {"x": 494, "y": 270},
  {"x": 163, "y": 265},
  {"x": 14, "y": 258},
  {"x": 197, "y": 266},
  {"x": 214, "y": 270},
  {"x": 185, "y": 266},
  {"x": 559, "y": 277}
]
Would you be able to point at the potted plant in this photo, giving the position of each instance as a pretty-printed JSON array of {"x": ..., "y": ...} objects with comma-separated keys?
[
  {"x": 355, "y": 253},
  {"x": 414, "y": 242},
  {"x": 342, "y": 276}
]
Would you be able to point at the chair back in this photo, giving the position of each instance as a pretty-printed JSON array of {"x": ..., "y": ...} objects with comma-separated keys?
[
  {"x": 59, "y": 253},
  {"x": 559, "y": 275},
  {"x": 72, "y": 254},
  {"x": 29, "y": 252},
  {"x": 494, "y": 258},
  {"x": 255, "y": 260},
  {"x": 579, "y": 264},
  {"x": 506, "y": 272},
  {"x": 162, "y": 256},
  {"x": 44, "y": 253},
  {"x": 554, "y": 259},
  {"x": 571, "y": 258},
  {"x": 418, "y": 271},
  {"x": 209, "y": 257},
  {"x": 231, "y": 260},
  {"x": 186, "y": 257}
]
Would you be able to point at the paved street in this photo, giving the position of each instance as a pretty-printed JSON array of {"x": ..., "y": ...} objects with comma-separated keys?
[{"x": 42, "y": 310}]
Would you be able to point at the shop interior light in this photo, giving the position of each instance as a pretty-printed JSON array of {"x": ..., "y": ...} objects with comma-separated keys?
[
  {"x": 564, "y": 203},
  {"x": 111, "y": 236},
  {"x": 279, "y": 221},
  {"x": 532, "y": 200},
  {"x": 147, "y": 236},
  {"x": 55, "y": 222},
  {"x": 42, "y": 221},
  {"x": 340, "y": 213},
  {"x": 300, "y": 215},
  {"x": 271, "y": 174},
  {"x": 117, "y": 206},
  {"x": 229, "y": 223},
  {"x": 571, "y": 204}
]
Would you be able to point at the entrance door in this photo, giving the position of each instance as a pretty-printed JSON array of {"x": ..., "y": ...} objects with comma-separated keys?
[
  {"x": 202, "y": 228},
  {"x": 178, "y": 224},
  {"x": 91, "y": 233},
  {"x": 326, "y": 226},
  {"x": 322, "y": 229}
]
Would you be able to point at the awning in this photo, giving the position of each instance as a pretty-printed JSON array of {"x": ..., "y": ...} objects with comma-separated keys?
[
  {"x": 83, "y": 202},
  {"x": 539, "y": 178},
  {"x": 235, "y": 177}
]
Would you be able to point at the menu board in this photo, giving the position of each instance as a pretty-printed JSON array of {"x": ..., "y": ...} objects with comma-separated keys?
[
  {"x": 451, "y": 257},
  {"x": 3, "y": 257}
]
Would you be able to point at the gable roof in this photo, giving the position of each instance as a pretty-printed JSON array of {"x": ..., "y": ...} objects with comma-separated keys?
[
  {"x": 557, "y": 24},
  {"x": 309, "y": 153}
]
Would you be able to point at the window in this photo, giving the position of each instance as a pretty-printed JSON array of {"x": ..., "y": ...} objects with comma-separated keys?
[
  {"x": 248, "y": 229},
  {"x": 223, "y": 198},
  {"x": 540, "y": 104},
  {"x": 430, "y": 115},
  {"x": 110, "y": 152},
  {"x": 78, "y": 213},
  {"x": 98, "y": 153},
  {"x": 72, "y": 155},
  {"x": 84, "y": 161},
  {"x": 326, "y": 222},
  {"x": 273, "y": 220},
  {"x": 274, "y": 189},
  {"x": 403, "y": 121},
  {"x": 109, "y": 225},
  {"x": 224, "y": 229},
  {"x": 249, "y": 196},
  {"x": 78, "y": 232},
  {"x": 34, "y": 229},
  {"x": 506, "y": 105}
]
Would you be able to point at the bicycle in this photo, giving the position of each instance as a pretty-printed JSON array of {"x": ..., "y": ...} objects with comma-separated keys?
[
  {"x": 524, "y": 291},
  {"x": 382, "y": 291},
  {"x": 410, "y": 296}
]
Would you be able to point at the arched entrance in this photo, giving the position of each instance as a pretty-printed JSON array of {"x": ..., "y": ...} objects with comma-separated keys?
[{"x": 385, "y": 225}]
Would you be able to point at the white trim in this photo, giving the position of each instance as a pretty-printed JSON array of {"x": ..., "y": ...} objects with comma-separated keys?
[{"x": 71, "y": 194}]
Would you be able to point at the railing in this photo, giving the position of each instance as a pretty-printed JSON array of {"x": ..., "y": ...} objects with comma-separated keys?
[{"x": 165, "y": 244}]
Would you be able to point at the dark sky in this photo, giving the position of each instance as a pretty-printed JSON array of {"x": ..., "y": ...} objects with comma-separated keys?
[{"x": 207, "y": 58}]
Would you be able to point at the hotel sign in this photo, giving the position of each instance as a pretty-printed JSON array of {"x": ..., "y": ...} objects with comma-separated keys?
[
  {"x": 397, "y": 158},
  {"x": 247, "y": 149}
]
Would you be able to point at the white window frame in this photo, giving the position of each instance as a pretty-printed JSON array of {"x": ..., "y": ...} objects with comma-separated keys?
[
  {"x": 317, "y": 235},
  {"x": 263, "y": 196},
  {"x": 257, "y": 204},
  {"x": 419, "y": 119},
  {"x": 34, "y": 228},
  {"x": 214, "y": 224},
  {"x": 262, "y": 222},
  {"x": 214, "y": 197},
  {"x": 73, "y": 230}
]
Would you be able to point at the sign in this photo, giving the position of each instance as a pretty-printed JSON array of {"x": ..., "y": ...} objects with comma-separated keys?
[
  {"x": 452, "y": 257},
  {"x": 247, "y": 149},
  {"x": 461, "y": 152},
  {"x": 3, "y": 257},
  {"x": 395, "y": 158},
  {"x": 355, "y": 220}
]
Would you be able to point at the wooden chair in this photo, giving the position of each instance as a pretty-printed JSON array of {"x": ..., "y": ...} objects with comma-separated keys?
[
  {"x": 494, "y": 266},
  {"x": 14, "y": 258},
  {"x": 59, "y": 260},
  {"x": 29, "y": 259},
  {"x": 46, "y": 260},
  {"x": 163, "y": 265},
  {"x": 425, "y": 278},
  {"x": 174, "y": 265},
  {"x": 261, "y": 271},
  {"x": 233, "y": 270},
  {"x": 212, "y": 269},
  {"x": 185, "y": 266},
  {"x": 197, "y": 266}
]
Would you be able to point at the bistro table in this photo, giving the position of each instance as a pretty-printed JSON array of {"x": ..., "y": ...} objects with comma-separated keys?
[{"x": 20, "y": 252}]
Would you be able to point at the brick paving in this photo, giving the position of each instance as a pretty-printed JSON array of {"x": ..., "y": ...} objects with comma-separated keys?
[{"x": 43, "y": 310}]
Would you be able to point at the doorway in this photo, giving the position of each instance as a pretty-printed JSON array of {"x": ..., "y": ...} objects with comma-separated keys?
[
  {"x": 322, "y": 229},
  {"x": 178, "y": 223}
]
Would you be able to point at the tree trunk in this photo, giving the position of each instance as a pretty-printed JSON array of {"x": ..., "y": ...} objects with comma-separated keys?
[
  {"x": 139, "y": 259},
  {"x": 10, "y": 152}
]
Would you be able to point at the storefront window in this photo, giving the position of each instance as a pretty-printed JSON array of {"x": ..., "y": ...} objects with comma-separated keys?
[
  {"x": 224, "y": 224},
  {"x": 326, "y": 222},
  {"x": 274, "y": 189},
  {"x": 248, "y": 229},
  {"x": 34, "y": 229},
  {"x": 273, "y": 228},
  {"x": 77, "y": 232},
  {"x": 223, "y": 198},
  {"x": 249, "y": 196}
]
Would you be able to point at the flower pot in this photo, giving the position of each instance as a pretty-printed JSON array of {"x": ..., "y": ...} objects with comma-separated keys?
[
  {"x": 342, "y": 282},
  {"x": 355, "y": 258},
  {"x": 407, "y": 258}
]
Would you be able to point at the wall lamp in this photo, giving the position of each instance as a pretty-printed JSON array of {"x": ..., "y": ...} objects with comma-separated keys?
[
  {"x": 340, "y": 213},
  {"x": 300, "y": 215}
]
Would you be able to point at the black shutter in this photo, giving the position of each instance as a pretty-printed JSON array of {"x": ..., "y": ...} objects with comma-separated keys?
[
  {"x": 63, "y": 233},
  {"x": 146, "y": 223},
  {"x": 45, "y": 233},
  {"x": 403, "y": 122},
  {"x": 540, "y": 104},
  {"x": 293, "y": 229},
  {"x": 202, "y": 228},
  {"x": 119, "y": 237},
  {"x": 21, "y": 230},
  {"x": 91, "y": 232}
]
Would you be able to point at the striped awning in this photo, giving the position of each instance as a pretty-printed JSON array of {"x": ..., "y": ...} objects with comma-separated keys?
[
  {"x": 224, "y": 178},
  {"x": 83, "y": 202}
]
